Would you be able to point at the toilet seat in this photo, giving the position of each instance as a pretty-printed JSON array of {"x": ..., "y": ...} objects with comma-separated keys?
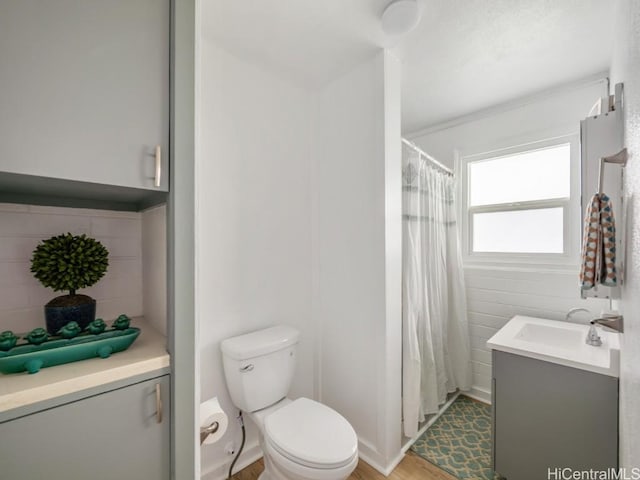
[{"x": 311, "y": 434}]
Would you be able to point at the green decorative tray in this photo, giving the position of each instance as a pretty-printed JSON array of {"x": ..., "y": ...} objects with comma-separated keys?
[{"x": 60, "y": 350}]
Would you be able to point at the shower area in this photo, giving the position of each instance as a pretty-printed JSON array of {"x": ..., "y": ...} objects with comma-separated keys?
[{"x": 436, "y": 358}]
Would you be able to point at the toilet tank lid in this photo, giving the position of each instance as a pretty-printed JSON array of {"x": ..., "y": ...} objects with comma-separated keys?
[{"x": 259, "y": 343}]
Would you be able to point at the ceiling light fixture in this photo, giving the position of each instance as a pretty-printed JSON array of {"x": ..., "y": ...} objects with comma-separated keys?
[{"x": 400, "y": 17}]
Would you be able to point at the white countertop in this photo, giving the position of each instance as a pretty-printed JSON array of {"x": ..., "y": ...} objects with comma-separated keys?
[
  {"x": 559, "y": 342},
  {"x": 146, "y": 354}
]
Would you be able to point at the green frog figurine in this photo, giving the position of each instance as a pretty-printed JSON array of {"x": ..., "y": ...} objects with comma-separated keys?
[
  {"x": 37, "y": 336},
  {"x": 96, "y": 327},
  {"x": 7, "y": 340},
  {"x": 70, "y": 330},
  {"x": 121, "y": 323}
]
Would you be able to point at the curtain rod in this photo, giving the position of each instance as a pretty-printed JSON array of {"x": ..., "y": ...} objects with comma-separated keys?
[{"x": 435, "y": 162}]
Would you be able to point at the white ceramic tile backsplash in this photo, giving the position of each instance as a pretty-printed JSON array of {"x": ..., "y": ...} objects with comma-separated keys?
[
  {"x": 22, "y": 297},
  {"x": 495, "y": 295}
]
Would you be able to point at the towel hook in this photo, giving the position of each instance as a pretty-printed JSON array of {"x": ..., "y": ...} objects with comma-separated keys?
[{"x": 619, "y": 158}]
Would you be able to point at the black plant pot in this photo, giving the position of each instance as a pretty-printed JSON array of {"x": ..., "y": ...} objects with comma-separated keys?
[{"x": 83, "y": 312}]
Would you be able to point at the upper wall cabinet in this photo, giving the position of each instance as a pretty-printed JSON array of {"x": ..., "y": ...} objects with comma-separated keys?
[{"x": 84, "y": 90}]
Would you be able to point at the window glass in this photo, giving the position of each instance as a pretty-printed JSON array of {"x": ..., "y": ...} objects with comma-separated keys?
[
  {"x": 519, "y": 231},
  {"x": 528, "y": 176}
]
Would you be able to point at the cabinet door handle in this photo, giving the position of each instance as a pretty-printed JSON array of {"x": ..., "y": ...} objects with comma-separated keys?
[
  {"x": 158, "y": 159},
  {"x": 158, "y": 404}
]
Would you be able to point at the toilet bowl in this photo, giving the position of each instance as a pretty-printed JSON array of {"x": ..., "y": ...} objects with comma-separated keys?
[
  {"x": 305, "y": 440},
  {"x": 301, "y": 439},
  {"x": 282, "y": 468}
]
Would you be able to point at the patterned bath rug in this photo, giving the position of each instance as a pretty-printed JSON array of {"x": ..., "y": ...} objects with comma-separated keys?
[{"x": 459, "y": 442}]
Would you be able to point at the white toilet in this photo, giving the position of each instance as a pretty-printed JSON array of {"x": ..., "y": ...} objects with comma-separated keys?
[{"x": 301, "y": 439}]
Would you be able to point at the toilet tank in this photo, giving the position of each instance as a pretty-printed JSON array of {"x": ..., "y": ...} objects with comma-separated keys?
[{"x": 259, "y": 366}]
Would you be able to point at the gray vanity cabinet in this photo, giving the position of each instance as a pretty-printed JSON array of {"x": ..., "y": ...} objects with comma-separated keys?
[
  {"x": 114, "y": 435},
  {"x": 84, "y": 90},
  {"x": 548, "y": 416}
]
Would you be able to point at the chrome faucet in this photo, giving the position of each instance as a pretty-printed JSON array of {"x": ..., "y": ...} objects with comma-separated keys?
[
  {"x": 575, "y": 310},
  {"x": 614, "y": 322},
  {"x": 592, "y": 336}
]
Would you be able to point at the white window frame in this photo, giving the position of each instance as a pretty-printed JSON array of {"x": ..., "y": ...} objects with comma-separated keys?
[{"x": 567, "y": 260}]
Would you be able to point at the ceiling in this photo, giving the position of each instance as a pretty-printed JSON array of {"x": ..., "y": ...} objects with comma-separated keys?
[{"x": 465, "y": 55}]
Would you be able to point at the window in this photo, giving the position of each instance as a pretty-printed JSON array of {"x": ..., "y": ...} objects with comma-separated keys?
[{"x": 521, "y": 203}]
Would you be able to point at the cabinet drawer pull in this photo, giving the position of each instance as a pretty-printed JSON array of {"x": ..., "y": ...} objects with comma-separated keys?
[
  {"x": 158, "y": 159},
  {"x": 158, "y": 404}
]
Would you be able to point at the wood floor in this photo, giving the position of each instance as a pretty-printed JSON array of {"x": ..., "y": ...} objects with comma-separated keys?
[{"x": 411, "y": 467}]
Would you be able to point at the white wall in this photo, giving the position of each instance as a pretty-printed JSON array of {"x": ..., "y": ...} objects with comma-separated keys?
[
  {"x": 299, "y": 211},
  {"x": 357, "y": 254},
  {"x": 626, "y": 68},
  {"x": 22, "y": 227},
  {"x": 253, "y": 239},
  {"x": 496, "y": 294}
]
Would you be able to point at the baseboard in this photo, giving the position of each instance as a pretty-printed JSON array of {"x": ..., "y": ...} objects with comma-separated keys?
[
  {"x": 479, "y": 394},
  {"x": 370, "y": 454},
  {"x": 375, "y": 464},
  {"x": 221, "y": 471},
  {"x": 393, "y": 464}
]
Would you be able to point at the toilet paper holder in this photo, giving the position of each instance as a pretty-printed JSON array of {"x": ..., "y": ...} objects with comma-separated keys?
[{"x": 206, "y": 431}]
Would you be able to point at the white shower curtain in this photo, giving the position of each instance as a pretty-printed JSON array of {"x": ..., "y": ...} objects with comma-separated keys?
[{"x": 436, "y": 351}]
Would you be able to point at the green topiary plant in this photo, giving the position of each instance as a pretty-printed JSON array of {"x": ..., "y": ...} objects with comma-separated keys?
[{"x": 68, "y": 263}]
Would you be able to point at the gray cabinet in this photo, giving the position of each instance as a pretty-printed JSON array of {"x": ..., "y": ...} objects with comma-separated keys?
[
  {"x": 548, "y": 416},
  {"x": 114, "y": 435},
  {"x": 85, "y": 90}
]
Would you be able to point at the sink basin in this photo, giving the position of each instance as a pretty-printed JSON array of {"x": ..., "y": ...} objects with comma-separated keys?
[
  {"x": 558, "y": 342},
  {"x": 549, "y": 335}
]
